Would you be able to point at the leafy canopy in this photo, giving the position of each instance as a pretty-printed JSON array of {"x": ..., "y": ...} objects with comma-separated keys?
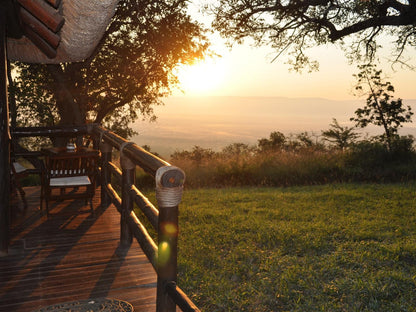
[
  {"x": 127, "y": 75},
  {"x": 340, "y": 136},
  {"x": 380, "y": 109},
  {"x": 293, "y": 26}
]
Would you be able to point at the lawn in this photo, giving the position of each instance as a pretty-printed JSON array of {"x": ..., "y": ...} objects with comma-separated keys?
[{"x": 345, "y": 247}]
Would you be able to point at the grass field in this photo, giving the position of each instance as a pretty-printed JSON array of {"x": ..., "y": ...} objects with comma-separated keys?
[{"x": 345, "y": 247}]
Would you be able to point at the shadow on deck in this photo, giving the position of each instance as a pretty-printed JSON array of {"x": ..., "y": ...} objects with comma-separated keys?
[{"x": 72, "y": 256}]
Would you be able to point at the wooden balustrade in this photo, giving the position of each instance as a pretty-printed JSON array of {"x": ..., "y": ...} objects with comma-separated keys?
[{"x": 169, "y": 182}]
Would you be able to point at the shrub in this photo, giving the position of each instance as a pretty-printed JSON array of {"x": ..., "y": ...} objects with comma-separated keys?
[
  {"x": 279, "y": 168},
  {"x": 372, "y": 161},
  {"x": 240, "y": 165}
]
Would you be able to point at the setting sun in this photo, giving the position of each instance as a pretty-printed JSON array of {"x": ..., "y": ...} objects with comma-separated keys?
[{"x": 203, "y": 77}]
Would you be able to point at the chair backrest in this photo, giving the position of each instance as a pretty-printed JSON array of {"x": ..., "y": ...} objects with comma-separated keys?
[{"x": 78, "y": 165}]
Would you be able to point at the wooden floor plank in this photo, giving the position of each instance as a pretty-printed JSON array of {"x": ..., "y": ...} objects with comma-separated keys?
[{"x": 72, "y": 255}]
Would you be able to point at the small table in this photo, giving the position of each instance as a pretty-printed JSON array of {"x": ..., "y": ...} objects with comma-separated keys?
[{"x": 64, "y": 152}]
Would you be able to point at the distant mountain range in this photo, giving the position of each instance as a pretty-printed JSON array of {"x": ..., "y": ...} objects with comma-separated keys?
[{"x": 214, "y": 122}]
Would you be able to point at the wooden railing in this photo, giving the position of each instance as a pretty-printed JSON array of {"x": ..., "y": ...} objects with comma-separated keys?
[{"x": 169, "y": 180}]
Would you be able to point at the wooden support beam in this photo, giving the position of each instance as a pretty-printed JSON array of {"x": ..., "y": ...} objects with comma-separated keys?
[
  {"x": 167, "y": 257},
  {"x": 54, "y": 3},
  {"x": 13, "y": 25},
  {"x": 59, "y": 131},
  {"x": 40, "y": 42},
  {"x": 39, "y": 28},
  {"x": 127, "y": 180},
  {"x": 169, "y": 187},
  {"x": 44, "y": 12},
  {"x": 4, "y": 139},
  {"x": 106, "y": 156}
]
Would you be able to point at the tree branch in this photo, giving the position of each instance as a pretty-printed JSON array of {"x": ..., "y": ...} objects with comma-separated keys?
[{"x": 372, "y": 23}]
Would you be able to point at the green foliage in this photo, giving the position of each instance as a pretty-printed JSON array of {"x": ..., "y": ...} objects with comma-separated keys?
[
  {"x": 319, "y": 248},
  {"x": 381, "y": 109},
  {"x": 197, "y": 156},
  {"x": 341, "y": 137},
  {"x": 304, "y": 139},
  {"x": 276, "y": 141},
  {"x": 299, "y": 161},
  {"x": 368, "y": 155},
  {"x": 402, "y": 148},
  {"x": 128, "y": 73},
  {"x": 238, "y": 151},
  {"x": 36, "y": 106},
  {"x": 373, "y": 161}
]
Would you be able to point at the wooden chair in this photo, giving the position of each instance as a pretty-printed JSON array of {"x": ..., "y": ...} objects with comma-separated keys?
[
  {"x": 17, "y": 173},
  {"x": 69, "y": 169}
]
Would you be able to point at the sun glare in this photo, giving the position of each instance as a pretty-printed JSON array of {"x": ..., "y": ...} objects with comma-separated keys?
[{"x": 202, "y": 78}]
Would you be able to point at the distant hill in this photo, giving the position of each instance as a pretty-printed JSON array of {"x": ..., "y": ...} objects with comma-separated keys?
[{"x": 214, "y": 122}]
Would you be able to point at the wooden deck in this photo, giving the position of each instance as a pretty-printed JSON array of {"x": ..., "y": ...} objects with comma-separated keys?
[{"x": 72, "y": 256}]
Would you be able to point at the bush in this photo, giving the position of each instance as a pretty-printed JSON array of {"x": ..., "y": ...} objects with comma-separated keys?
[
  {"x": 367, "y": 155},
  {"x": 372, "y": 161},
  {"x": 279, "y": 168},
  {"x": 402, "y": 149},
  {"x": 364, "y": 161}
]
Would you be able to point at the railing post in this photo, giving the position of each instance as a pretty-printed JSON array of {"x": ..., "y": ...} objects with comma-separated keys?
[
  {"x": 106, "y": 152},
  {"x": 128, "y": 169},
  {"x": 169, "y": 188}
]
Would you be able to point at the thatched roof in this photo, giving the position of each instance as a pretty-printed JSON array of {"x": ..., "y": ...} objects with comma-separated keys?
[{"x": 58, "y": 31}]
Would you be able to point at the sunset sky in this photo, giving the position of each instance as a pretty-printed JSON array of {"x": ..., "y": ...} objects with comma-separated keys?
[
  {"x": 243, "y": 96},
  {"x": 248, "y": 71}
]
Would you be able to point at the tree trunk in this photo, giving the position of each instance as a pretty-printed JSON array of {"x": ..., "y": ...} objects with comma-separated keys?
[
  {"x": 383, "y": 121},
  {"x": 380, "y": 112},
  {"x": 68, "y": 109}
]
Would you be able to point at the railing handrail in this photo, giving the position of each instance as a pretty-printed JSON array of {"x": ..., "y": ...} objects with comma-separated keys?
[
  {"x": 150, "y": 164},
  {"x": 64, "y": 130},
  {"x": 131, "y": 155},
  {"x": 142, "y": 158}
]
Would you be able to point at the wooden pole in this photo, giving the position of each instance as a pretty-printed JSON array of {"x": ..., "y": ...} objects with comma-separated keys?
[
  {"x": 167, "y": 257},
  {"x": 169, "y": 187},
  {"x": 4, "y": 139},
  {"x": 128, "y": 169},
  {"x": 106, "y": 154}
]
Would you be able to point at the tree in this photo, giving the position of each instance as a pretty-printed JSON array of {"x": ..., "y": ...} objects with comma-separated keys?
[
  {"x": 276, "y": 141},
  {"x": 304, "y": 139},
  {"x": 381, "y": 109},
  {"x": 294, "y": 25},
  {"x": 237, "y": 150},
  {"x": 198, "y": 155},
  {"x": 340, "y": 136},
  {"x": 129, "y": 73}
]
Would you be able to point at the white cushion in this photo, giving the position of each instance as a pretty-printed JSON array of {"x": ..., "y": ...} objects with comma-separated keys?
[
  {"x": 18, "y": 167},
  {"x": 76, "y": 181}
]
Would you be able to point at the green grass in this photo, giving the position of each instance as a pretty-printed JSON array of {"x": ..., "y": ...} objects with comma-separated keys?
[{"x": 345, "y": 247}]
